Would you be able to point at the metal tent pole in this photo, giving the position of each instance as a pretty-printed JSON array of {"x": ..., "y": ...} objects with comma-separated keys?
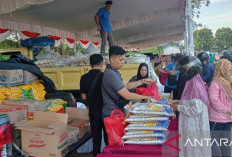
[{"x": 189, "y": 47}]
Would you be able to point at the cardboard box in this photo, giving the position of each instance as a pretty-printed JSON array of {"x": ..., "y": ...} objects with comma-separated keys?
[
  {"x": 73, "y": 135},
  {"x": 79, "y": 119},
  {"x": 32, "y": 105},
  {"x": 28, "y": 77},
  {"x": 16, "y": 135},
  {"x": 11, "y": 77},
  {"x": 15, "y": 113},
  {"x": 46, "y": 135}
]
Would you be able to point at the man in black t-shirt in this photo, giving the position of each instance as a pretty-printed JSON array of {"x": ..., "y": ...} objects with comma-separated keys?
[{"x": 90, "y": 86}]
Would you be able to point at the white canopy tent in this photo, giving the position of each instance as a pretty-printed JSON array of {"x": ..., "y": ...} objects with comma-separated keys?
[{"x": 135, "y": 23}]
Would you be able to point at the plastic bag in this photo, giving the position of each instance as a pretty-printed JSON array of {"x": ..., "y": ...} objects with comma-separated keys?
[
  {"x": 114, "y": 127},
  {"x": 150, "y": 90},
  {"x": 55, "y": 105},
  {"x": 161, "y": 124},
  {"x": 38, "y": 41}
]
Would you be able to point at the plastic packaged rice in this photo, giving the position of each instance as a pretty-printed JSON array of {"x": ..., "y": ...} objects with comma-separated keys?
[
  {"x": 156, "y": 140},
  {"x": 128, "y": 128},
  {"x": 162, "y": 124},
  {"x": 146, "y": 132},
  {"x": 145, "y": 119},
  {"x": 165, "y": 95},
  {"x": 163, "y": 102},
  {"x": 144, "y": 142},
  {"x": 131, "y": 136},
  {"x": 152, "y": 109},
  {"x": 148, "y": 122},
  {"x": 148, "y": 112}
]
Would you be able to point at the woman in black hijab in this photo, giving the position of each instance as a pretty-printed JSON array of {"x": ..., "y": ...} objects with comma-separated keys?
[
  {"x": 185, "y": 73},
  {"x": 141, "y": 74}
]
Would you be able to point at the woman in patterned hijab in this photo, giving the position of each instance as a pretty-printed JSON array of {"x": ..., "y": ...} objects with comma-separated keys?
[
  {"x": 220, "y": 108},
  {"x": 223, "y": 76}
]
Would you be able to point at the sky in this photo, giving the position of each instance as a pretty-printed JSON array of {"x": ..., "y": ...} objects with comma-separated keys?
[{"x": 217, "y": 15}]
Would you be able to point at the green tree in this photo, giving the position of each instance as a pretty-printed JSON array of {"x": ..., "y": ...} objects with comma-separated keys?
[
  {"x": 156, "y": 49},
  {"x": 203, "y": 39},
  {"x": 223, "y": 38},
  {"x": 196, "y": 4}
]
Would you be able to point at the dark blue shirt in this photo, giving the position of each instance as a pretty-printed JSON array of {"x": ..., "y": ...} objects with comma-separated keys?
[{"x": 207, "y": 72}]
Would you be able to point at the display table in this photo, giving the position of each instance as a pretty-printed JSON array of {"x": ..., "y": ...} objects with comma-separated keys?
[{"x": 134, "y": 150}]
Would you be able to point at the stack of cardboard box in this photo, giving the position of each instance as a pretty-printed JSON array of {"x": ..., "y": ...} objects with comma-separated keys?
[{"x": 11, "y": 77}]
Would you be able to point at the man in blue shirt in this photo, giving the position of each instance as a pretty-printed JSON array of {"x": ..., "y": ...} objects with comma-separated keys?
[
  {"x": 207, "y": 68},
  {"x": 102, "y": 19},
  {"x": 172, "y": 85}
]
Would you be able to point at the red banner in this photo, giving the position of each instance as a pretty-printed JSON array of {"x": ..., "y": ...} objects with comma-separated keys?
[
  {"x": 3, "y": 30},
  {"x": 84, "y": 42},
  {"x": 54, "y": 37},
  {"x": 30, "y": 34},
  {"x": 96, "y": 43},
  {"x": 70, "y": 40}
]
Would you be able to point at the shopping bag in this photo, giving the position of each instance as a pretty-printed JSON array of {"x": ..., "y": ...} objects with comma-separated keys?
[
  {"x": 115, "y": 126},
  {"x": 150, "y": 90}
]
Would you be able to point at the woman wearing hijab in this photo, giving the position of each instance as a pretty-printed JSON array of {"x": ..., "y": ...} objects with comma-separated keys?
[
  {"x": 141, "y": 74},
  {"x": 193, "y": 109},
  {"x": 220, "y": 108}
]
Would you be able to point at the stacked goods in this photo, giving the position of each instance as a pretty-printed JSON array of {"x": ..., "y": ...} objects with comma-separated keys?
[
  {"x": 20, "y": 87},
  {"x": 31, "y": 105},
  {"x": 55, "y": 105},
  {"x": 33, "y": 90},
  {"x": 10, "y": 77},
  {"x": 165, "y": 97},
  {"x": 136, "y": 58},
  {"x": 148, "y": 123}
]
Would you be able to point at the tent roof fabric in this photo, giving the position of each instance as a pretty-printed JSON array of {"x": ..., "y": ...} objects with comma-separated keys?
[{"x": 139, "y": 23}]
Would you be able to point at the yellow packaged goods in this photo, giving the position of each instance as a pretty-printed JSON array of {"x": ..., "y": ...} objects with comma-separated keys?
[
  {"x": 2, "y": 94},
  {"x": 38, "y": 91},
  {"x": 11, "y": 77},
  {"x": 33, "y": 90},
  {"x": 156, "y": 108},
  {"x": 55, "y": 105},
  {"x": 15, "y": 93}
]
